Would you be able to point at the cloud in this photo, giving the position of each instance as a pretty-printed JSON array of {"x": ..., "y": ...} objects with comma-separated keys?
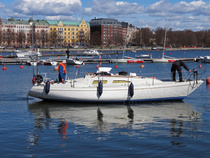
[
  {"x": 47, "y": 7},
  {"x": 165, "y": 8},
  {"x": 65, "y": 18},
  {"x": 1, "y": 5},
  {"x": 113, "y": 9}
]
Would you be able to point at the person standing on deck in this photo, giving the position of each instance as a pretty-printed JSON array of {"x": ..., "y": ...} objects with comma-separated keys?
[
  {"x": 67, "y": 52},
  {"x": 176, "y": 66},
  {"x": 62, "y": 71}
]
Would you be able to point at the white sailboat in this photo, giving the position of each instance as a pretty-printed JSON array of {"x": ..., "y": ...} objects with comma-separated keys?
[
  {"x": 163, "y": 59},
  {"x": 103, "y": 86},
  {"x": 126, "y": 59}
]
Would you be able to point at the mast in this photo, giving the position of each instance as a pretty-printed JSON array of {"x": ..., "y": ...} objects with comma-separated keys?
[{"x": 164, "y": 45}]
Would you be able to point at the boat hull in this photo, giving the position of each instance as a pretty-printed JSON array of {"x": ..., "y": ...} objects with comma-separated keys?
[
  {"x": 141, "y": 93},
  {"x": 163, "y": 60}
]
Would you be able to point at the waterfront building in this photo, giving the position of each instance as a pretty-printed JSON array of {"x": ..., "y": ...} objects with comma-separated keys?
[
  {"x": 66, "y": 33},
  {"x": 105, "y": 31},
  {"x": 19, "y": 32}
]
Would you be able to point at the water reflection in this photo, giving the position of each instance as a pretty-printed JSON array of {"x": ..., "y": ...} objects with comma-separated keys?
[{"x": 168, "y": 119}]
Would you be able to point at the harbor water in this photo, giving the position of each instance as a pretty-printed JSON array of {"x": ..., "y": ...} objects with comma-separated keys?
[{"x": 31, "y": 127}]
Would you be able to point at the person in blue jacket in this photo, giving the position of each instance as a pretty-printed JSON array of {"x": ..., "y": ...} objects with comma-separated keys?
[{"x": 62, "y": 71}]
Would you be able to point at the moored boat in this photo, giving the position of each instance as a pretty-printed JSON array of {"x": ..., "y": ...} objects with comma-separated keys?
[
  {"x": 104, "y": 86},
  {"x": 71, "y": 61},
  {"x": 205, "y": 59}
]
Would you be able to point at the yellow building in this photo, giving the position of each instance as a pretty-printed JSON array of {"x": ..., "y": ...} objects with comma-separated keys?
[{"x": 69, "y": 33}]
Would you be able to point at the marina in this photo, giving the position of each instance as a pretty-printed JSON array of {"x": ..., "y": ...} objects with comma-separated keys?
[
  {"x": 104, "y": 57},
  {"x": 32, "y": 127}
]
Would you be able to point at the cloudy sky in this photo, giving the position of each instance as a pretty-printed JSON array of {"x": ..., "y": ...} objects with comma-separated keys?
[{"x": 179, "y": 15}]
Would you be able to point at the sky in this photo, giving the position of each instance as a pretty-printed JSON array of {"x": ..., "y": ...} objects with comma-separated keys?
[{"x": 175, "y": 14}]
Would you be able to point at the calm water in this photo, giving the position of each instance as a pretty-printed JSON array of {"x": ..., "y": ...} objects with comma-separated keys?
[{"x": 34, "y": 128}]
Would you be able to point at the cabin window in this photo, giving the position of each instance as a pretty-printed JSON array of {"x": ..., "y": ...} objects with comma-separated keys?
[
  {"x": 121, "y": 81},
  {"x": 96, "y": 81}
]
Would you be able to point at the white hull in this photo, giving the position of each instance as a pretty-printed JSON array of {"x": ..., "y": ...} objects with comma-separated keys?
[
  {"x": 73, "y": 62},
  {"x": 164, "y": 60},
  {"x": 115, "y": 89},
  {"x": 91, "y": 52},
  {"x": 25, "y": 54},
  {"x": 205, "y": 59},
  {"x": 127, "y": 60}
]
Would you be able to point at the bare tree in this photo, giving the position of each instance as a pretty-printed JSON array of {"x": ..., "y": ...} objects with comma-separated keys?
[
  {"x": 21, "y": 37},
  {"x": 53, "y": 37},
  {"x": 145, "y": 36},
  {"x": 10, "y": 37},
  {"x": 44, "y": 37},
  {"x": 1, "y": 37},
  {"x": 95, "y": 38}
]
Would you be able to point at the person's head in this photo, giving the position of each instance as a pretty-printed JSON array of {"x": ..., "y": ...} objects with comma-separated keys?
[{"x": 64, "y": 61}]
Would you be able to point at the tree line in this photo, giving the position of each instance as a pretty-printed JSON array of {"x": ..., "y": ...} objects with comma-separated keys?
[
  {"x": 146, "y": 37},
  {"x": 142, "y": 37}
]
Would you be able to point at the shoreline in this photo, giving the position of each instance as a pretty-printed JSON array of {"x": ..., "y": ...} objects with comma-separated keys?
[{"x": 113, "y": 49}]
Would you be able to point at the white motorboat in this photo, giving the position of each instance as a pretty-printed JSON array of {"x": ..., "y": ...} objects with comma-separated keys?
[
  {"x": 91, "y": 52},
  {"x": 205, "y": 59},
  {"x": 48, "y": 62},
  {"x": 32, "y": 63},
  {"x": 127, "y": 60},
  {"x": 71, "y": 61},
  {"x": 142, "y": 56},
  {"x": 27, "y": 54},
  {"x": 104, "y": 86}
]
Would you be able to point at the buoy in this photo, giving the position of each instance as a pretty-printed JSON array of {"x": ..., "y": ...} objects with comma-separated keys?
[
  {"x": 142, "y": 66},
  {"x": 21, "y": 66},
  {"x": 58, "y": 57},
  {"x": 77, "y": 66},
  {"x": 47, "y": 87},
  {"x": 100, "y": 88},
  {"x": 131, "y": 90},
  {"x": 208, "y": 80},
  {"x": 4, "y": 68},
  {"x": 116, "y": 66},
  {"x": 55, "y": 68},
  {"x": 97, "y": 66},
  {"x": 200, "y": 66}
]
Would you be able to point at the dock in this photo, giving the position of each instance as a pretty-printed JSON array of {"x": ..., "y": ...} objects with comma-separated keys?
[{"x": 17, "y": 61}]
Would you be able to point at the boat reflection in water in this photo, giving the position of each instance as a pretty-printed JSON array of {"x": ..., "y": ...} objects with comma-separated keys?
[{"x": 167, "y": 119}]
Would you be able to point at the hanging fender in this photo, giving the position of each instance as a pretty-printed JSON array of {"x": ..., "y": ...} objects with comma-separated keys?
[
  {"x": 47, "y": 87},
  {"x": 100, "y": 88},
  {"x": 131, "y": 90}
]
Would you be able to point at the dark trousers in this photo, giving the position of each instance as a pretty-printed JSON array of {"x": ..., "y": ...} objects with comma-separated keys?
[
  {"x": 175, "y": 68},
  {"x": 60, "y": 78}
]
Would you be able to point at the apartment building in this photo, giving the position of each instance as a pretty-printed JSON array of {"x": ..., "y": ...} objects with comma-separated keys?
[
  {"x": 19, "y": 32},
  {"x": 69, "y": 32},
  {"x": 105, "y": 31}
]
